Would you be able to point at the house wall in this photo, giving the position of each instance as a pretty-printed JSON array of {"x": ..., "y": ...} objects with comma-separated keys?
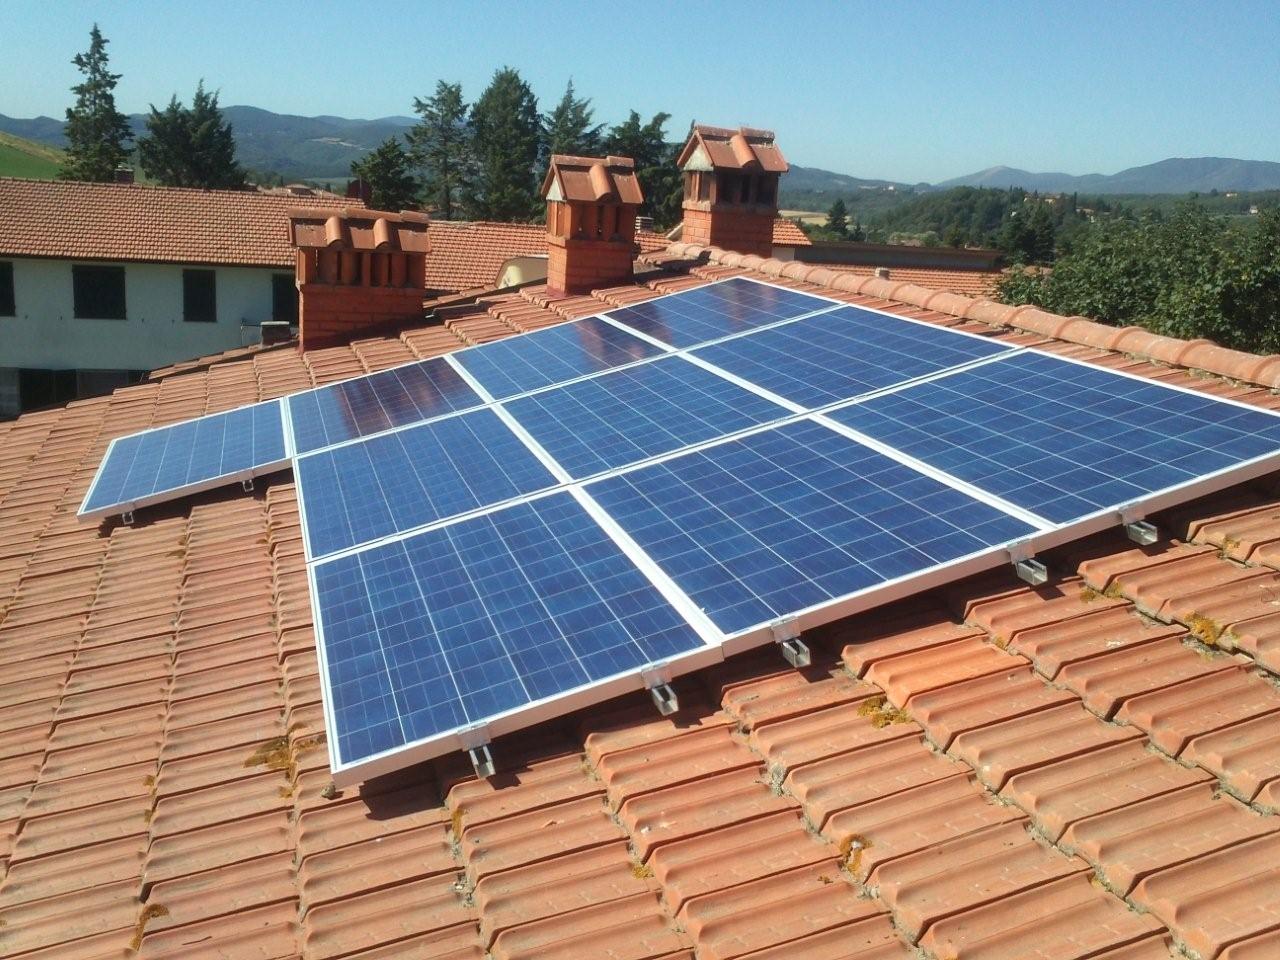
[{"x": 45, "y": 333}]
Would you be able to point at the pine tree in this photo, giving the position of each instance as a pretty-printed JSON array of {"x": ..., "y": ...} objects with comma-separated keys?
[
  {"x": 97, "y": 133},
  {"x": 191, "y": 147},
  {"x": 506, "y": 139},
  {"x": 655, "y": 159},
  {"x": 388, "y": 171},
  {"x": 568, "y": 128},
  {"x": 838, "y": 218},
  {"x": 440, "y": 145}
]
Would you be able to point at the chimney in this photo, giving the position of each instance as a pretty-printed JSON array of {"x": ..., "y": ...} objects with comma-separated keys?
[
  {"x": 124, "y": 174},
  {"x": 591, "y": 222},
  {"x": 731, "y": 188},
  {"x": 357, "y": 270}
]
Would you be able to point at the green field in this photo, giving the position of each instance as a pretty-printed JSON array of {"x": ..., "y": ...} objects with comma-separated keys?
[{"x": 26, "y": 158}]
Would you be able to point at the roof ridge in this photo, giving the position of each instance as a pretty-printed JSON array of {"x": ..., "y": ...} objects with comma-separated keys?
[{"x": 1201, "y": 354}]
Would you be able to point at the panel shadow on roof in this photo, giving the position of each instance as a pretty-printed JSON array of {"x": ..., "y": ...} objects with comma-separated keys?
[
  {"x": 465, "y": 622},
  {"x": 716, "y": 310},
  {"x": 767, "y": 525},
  {"x": 397, "y": 481},
  {"x": 849, "y": 351},
  {"x": 636, "y": 413},
  {"x": 1064, "y": 439}
]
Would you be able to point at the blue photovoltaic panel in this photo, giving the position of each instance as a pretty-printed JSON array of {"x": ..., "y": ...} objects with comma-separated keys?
[
  {"x": 146, "y": 467},
  {"x": 392, "y": 398},
  {"x": 387, "y": 484},
  {"x": 839, "y": 355},
  {"x": 717, "y": 310},
  {"x": 643, "y": 411},
  {"x": 1063, "y": 439},
  {"x": 454, "y": 625},
  {"x": 767, "y": 525},
  {"x": 554, "y": 355}
]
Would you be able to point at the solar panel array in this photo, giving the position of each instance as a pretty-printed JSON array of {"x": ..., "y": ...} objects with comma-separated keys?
[{"x": 525, "y": 527}]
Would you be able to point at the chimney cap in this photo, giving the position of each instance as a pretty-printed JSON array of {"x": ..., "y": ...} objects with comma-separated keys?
[
  {"x": 592, "y": 180},
  {"x": 722, "y": 148},
  {"x": 354, "y": 228}
]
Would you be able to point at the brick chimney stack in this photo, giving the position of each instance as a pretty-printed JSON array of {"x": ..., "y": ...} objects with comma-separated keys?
[
  {"x": 357, "y": 270},
  {"x": 591, "y": 222},
  {"x": 731, "y": 188}
]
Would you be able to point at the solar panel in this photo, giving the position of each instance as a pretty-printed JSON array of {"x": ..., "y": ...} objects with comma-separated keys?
[
  {"x": 636, "y": 413},
  {"x": 370, "y": 489},
  {"x": 1065, "y": 439},
  {"x": 716, "y": 310},
  {"x": 843, "y": 353},
  {"x": 380, "y": 401},
  {"x": 554, "y": 355},
  {"x": 473, "y": 620},
  {"x": 183, "y": 458},
  {"x": 770, "y": 524}
]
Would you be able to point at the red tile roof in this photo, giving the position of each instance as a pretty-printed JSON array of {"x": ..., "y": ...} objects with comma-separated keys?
[
  {"x": 787, "y": 234},
  {"x": 973, "y": 283},
  {"x": 117, "y": 221},
  {"x": 1084, "y": 769},
  {"x": 469, "y": 256}
]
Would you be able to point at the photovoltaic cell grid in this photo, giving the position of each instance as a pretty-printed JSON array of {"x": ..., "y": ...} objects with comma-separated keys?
[
  {"x": 464, "y": 622},
  {"x": 839, "y": 355},
  {"x": 408, "y": 478},
  {"x": 778, "y": 521},
  {"x": 717, "y": 310},
  {"x": 554, "y": 355},
  {"x": 640, "y": 412},
  {"x": 1061, "y": 439},
  {"x": 167, "y": 461},
  {"x": 380, "y": 401}
]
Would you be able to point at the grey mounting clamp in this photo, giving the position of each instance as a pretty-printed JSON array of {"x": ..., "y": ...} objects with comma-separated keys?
[
  {"x": 1026, "y": 566},
  {"x": 657, "y": 680},
  {"x": 664, "y": 698},
  {"x": 786, "y": 634},
  {"x": 247, "y": 485},
  {"x": 482, "y": 760},
  {"x": 1137, "y": 528},
  {"x": 127, "y": 518}
]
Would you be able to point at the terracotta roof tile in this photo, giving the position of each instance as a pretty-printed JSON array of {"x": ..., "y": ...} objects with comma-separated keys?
[
  {"x": 113, "y": 221},
  {"x": 994, "y": 770}
]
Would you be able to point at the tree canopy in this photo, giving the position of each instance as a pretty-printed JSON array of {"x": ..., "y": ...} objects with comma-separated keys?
[
  {"x": 655, "y": 159},
  {"x": 388, "y": 171},
  {"x": 570, "y": 128},
  {"x": 1188, "y": 275},
  {"x": 506, "y": 142},
  {"x": 440, "y": 145},
  {"x": 97, "y": 133},
  {"x": 838, "y": 219},
  {"x": 190, "y": 147}
]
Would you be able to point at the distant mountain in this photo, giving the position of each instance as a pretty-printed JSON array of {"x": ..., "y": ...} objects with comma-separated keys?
[
  {"x": 295, "y": 147},
  {"x": 812, "y": 179},
  {"x": 1175, "y": 175}
]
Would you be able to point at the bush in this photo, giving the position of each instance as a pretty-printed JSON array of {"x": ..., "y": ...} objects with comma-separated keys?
[{"x": 1188, "y": 275}]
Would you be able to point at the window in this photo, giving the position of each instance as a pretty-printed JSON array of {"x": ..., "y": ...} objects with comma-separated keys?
[
  {"x": 199, "y": 296},
  {"x": 99, "y": 292},
  {"x": 284, "y": 297},
  {"x": 7, "y": 308}
]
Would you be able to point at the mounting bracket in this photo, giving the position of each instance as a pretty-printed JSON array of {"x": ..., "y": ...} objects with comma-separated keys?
[
  {"x": 1141, "y": 532},
  {"x": 786, "y": 634},
  {"x": 127, "y": 518},
  {"x": 247, "y": 485},
  {"x": 481, "y": 760}
]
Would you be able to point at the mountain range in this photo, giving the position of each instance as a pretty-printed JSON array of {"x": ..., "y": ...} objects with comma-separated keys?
[{"x": 323, "y": 147}]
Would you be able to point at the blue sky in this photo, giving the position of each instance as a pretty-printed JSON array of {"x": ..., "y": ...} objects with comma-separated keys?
[{"x": 903, "y": 91}]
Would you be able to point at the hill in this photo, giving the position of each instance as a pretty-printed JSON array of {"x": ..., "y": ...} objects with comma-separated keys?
[
  {"x": 1175, "y": 175},
  {"x": 295, "y": 147},
  {"x": 20, "y": 157}
]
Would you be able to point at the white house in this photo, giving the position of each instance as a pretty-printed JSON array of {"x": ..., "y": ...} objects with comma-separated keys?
[{"x": 102, "y": 282}]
